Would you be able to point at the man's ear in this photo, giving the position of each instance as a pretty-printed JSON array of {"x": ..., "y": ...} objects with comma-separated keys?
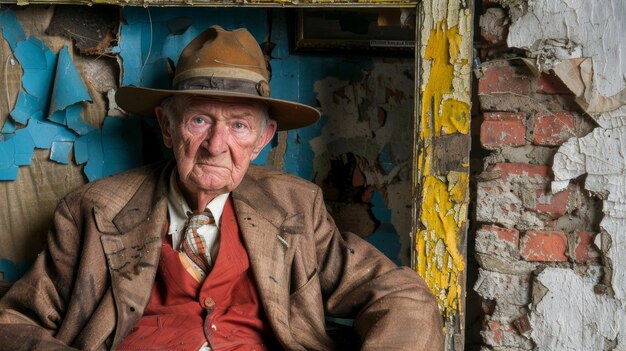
[
  {"x": 266, "y": 136},
  {"x": 164, "y": 123}
]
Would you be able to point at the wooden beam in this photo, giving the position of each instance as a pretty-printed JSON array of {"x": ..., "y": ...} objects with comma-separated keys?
[{"x": 441, "y": 158}]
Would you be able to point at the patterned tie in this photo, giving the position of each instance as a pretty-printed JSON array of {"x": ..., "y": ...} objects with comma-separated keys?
[{"x": 199, "y": 239}]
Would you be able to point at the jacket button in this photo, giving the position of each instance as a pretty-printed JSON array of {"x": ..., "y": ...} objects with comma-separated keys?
[{"x": 209, "y": 304}]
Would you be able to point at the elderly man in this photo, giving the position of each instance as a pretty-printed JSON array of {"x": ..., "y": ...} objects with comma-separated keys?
[{"x": 208, "y": 252}]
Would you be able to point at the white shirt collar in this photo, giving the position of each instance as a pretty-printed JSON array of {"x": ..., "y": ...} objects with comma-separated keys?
[{"x": 178, "y": 209}]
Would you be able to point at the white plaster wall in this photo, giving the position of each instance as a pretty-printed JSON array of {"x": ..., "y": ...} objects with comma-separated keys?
[
  {"x": 582, "y": 41},
  {"x": 572, "y": 317}
]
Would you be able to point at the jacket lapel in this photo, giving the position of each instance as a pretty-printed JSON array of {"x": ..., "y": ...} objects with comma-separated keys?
[
  {"x": 270, "y": 235},
  {"x": 132, "y": 242}
]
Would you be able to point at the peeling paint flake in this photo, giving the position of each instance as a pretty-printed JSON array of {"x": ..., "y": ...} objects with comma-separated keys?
[
  {"x": 582, "y": 41},
  {"x": 12, "y": 31},
  {"x": 68, "y": 87}
]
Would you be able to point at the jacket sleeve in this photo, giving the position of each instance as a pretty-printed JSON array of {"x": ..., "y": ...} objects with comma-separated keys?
[
  {"x": 32, "y": 310},
  {"x": 392, "y": 307}
]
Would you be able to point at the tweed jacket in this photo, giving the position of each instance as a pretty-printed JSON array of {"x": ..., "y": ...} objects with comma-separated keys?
[{"x": 90, "y": 285}]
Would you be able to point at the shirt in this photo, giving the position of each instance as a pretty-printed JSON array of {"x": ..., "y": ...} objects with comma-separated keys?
[{"x": 178, "y": 210}]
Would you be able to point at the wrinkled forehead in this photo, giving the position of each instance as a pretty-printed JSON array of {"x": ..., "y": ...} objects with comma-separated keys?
[{"x": 187, "y": 103}]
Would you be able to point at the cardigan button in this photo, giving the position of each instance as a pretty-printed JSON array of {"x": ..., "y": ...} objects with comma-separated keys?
[{"x": 209, "y": 304}]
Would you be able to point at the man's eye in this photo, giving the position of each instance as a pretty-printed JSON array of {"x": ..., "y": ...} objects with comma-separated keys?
[
  {"x": 198, "y": 120},
  {"x": 239, "y": 125}
]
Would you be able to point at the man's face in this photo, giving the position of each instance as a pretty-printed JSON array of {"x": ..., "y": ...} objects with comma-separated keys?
[{"x": 213, "y": 142}]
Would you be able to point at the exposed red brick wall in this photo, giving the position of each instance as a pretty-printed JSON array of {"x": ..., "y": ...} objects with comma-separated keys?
[{"x": 521, "y": 225}]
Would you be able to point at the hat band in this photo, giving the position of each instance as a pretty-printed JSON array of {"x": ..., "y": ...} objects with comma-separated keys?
[{"x": 225, "y": 84}]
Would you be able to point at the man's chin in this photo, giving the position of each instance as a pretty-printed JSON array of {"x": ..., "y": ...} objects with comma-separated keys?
[{"x": 211, "y": 185}]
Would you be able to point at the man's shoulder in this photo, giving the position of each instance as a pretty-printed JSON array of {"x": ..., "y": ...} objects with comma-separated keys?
[
  {"x": 268, "y": 187},
  {"x": 275, "y": 178},
  {"x": 116, "y": 187}
]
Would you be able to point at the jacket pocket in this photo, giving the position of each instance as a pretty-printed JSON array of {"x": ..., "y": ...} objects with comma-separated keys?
[
  {"x": 306, "y": 312},
  {"x": 313, "y": 280}
]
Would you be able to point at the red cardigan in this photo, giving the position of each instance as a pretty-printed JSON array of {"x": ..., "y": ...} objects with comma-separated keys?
[{"x": 224, "y": 309}]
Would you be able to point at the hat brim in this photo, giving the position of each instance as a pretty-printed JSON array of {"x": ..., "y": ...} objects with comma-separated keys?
[{"x": 287, "y": 114}]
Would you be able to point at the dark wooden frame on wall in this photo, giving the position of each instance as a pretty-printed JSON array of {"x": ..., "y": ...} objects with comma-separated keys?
[
  {"x": 441, "y": 157},
  {"x": 390, "y": 40}
]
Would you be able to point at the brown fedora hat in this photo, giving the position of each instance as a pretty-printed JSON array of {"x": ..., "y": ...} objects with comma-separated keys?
[{"x": 224, "y": 65}]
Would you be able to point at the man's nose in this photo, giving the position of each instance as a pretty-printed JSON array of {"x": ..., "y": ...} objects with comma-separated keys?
[{"x": 216, "y": 139}]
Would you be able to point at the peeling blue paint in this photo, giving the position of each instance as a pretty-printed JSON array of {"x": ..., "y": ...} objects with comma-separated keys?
[
  {"x": 68, "y": 87},
  {"x": 7, "y": 128},
  {"x": 113, "y": 149},
  {"x": 386, "y": 160},
  {"x": 294, "y": 77},
  {"x": 25, "y": 107},
  {"x": 38, "y": 64},
  {"x": 52, "y": 88},
  {"x": 385, "y": 238},
  {"x": 12, "y": 31}
]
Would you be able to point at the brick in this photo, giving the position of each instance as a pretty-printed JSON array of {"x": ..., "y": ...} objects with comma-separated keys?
[
  {"x": 543, "y": 246},
  {"x": 502, "y": 335},
  {"x": 553, "y": 129},
  {"x": 497, "y": 204},
  {"x": 551, "y": 84},
  {"x": 492, "y": 333},
  {"x": 585, "y": 251},
  {"x": 552, "y": 204},
  {"x": 503, "y": 79},
  {"x": 504, "y": 116},
  {"x": 495, "y": 134},
  {"x": 521, "y": 169},
  {"x": 494, "y": 240},
  {"x": 509, "y": 290}
]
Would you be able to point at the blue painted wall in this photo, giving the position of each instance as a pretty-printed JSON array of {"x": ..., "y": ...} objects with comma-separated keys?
[{"x": 148, "y": 37}]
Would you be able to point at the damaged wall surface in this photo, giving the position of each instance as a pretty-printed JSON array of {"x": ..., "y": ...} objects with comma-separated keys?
[
  {"x": 364, "y": 174},
  {"x": 551, "y": 197}
]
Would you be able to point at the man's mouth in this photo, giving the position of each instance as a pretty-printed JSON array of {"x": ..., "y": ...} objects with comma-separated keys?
[{"x": 206, "y": 164}]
